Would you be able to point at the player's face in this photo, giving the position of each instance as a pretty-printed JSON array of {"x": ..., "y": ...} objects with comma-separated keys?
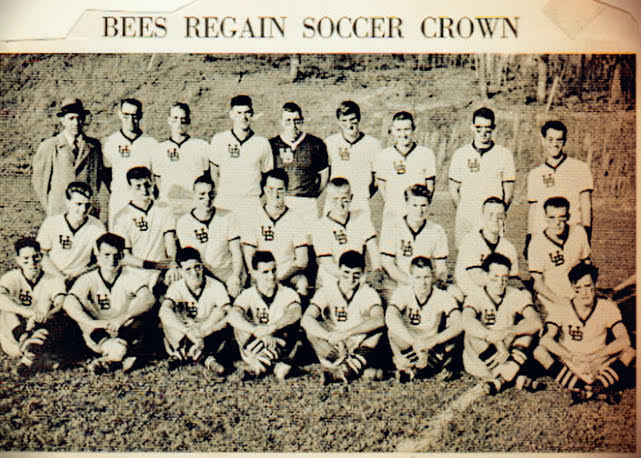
[
  {"x": 349, "y": 125},
  {"x": 349, "y": 277},
  {"x": 192, "y": 271},
  {"x": 417, "y": 208},
  {"x": 339, "y": 199},
  {"x": 493, "y": 218},
  {"x": 274, "y": 192},
  {"x": 402, "y": 130},
  {"x": 108, "y": 257},
  {"x": 497, "y": 279},
  {"x": 130, "y": 117},
  {"x": 241, "y": 117},
  {"x": 422, "y": 280},
  {"x": 553, "y": 143},
  {"x": 292, "y": 124},
  {"x": 266, "y": 277},
  {"x": 141, "y": 190},
  {"x": 204, "y": 195},
  {"x": 28, "y": 260},
  {"x": 483, "y": 129},
  {"x": 78, "y": 206},
  {"x": 557, "y": 219},
  {"x": 585, "y": 291},
  {"x": 178, "y": 121},
  {"x": 72, "y": 123}
]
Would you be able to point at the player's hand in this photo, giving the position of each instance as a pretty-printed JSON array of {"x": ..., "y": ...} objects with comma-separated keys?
[
  {"x": 233, "y": 285},
  {"x": 424, "y": 345},
  {"x": 172, "y": 275},
  {"x": 115, "y": 324},
  {"x": 272, "y": 343},
  {"x": 39, "y": 317},
  {"x": 499, "y": 357}
]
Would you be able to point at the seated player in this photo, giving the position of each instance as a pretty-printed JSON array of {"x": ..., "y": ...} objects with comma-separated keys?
[
  {"x": 109, "y": 304},
  {"x": 554, "y": 251},
  {"x": 29, "y": 299},
  {"x": 265, "y": 321},
  {"x": 477, "y": 245},
  {"x": 344, "y": 323},
  {"x": 67, "y": 239},
  {"x": 403, "y": 239},
  {"x": 500, "y": 323},
  {"x": 276, "y": 228},
  {"x": 193, "y": 315},
  {"x": 214, "y": 232},
  {"x": 341, "y": 230},
  {"x": 575, "y": 350},
  {"x": 423, "y": 323},
  {"x": 149, "y": 230}
]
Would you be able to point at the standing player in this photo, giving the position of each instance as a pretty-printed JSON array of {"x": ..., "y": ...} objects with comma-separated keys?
[
  {"x": 423, "y": 323},
  {"x": 304, "y": 159},
  {"x": 403, "y": 164},
  {"x": 109, "y": 303},
  {"x": 344, "y": 322},
  {"x": 341, "y": 230},
  {"x": 499, "y": 323},
  {"x": 214, "y": 232},
  {"x": 554, "y": 251},
  {"x": 239, "y": 157},
  {"x": 479, "y": 170},
  {"x": 29, "y": 299},
  {"x": 278, "y": 229},
  {"x": 559, "y": 176},
  {"x": 477, "y": 245},
  {"x": 124, "y": 150},
  {"x": 574, "y": 349},
  {"x": 193, "y": 314},
  {"x": 179, "y": 161},
  {"x": 69, "y": 156},
  {"x": 352, "y": 154},
  {"x": 265, "y": 321},
  {"x": 403, "y": 239},
  {"x": 67, "y": 239}
]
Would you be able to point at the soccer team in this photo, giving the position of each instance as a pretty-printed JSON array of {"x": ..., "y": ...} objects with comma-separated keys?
[{"x": 223, "y": 248}]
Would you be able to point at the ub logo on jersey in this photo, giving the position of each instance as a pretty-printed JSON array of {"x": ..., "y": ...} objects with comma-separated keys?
[
  {"x": 575, "y": 332},
  {"x": 414, "y": 316},
  {"x": 343, "y": 153},
  {"x": 172, "y": 154},
  {"x": 201, "y": 235},
  {"x": 548, "y": 180},
  {"x": 233, "y": 150},
  {"x": 489, "y": 317},
  {"x": 341, "y": 237},
  {"x": 556, "y": 258},
  {"x": 399, "y": 167},
  {"x": 65, "y": 242},
  {"x": 286, "y": 154},
  {"x": 24, "y": 296},
  {"x": 262, "y": 315},
  {"x": 341, "y": 314},
  {"x": 141, "y": 224},
  {"x": 473, "y": 165},
  {"x": 124, "y": 150},
  {"x": 267, "y": 232},
  {"x": 406, "y": 248},
  {"x": 103, "y": 301}
]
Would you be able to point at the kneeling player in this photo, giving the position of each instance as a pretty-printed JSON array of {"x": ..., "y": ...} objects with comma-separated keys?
[
  {"x": 422, "y": 322},
  {"x": 29, "y": 298},
  {"x": 574, "y": 349},
  {"x": 499, "y": 323},
  {"x": 108, "y": 304},
  {"x": 193, "y": 314},
  {"x": 344, "y": 322},
  {"x": 265, "y": 321}
]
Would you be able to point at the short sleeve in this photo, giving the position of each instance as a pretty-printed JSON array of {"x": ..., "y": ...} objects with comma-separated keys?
[
  {"x": 456, "y": 170},
  {"x": 81, "y": 289},
  {"x": 233, "y": 229},
  {"x": 372, "y": 300},
  {"x": 44, "y": 235},
  {"x": 379, "y": 165},
  {"x": 135, "y": 281},
  {"x": 399, "y": 299},
  {"x": 367, "y": 228},
  {"x": 586, "y": 251},
  {"x": 531, "y": 194},
  {"x": 181, "y": 230},
  {"x": 514, "y": 258},
  {"x": 525, "y": 300},
  {"x": 267, "y": 158},
  {"x": 214, "y": 150},
  {"x": 611, "y": 313},
  {"x": 301, "y": 235},
  {"x": 466, "y": 258},
  {"x": 169, "y": 221},
  {"x": 248, "y": 233},
  {"x": 509, "y": 170},
  {"x": 471, "y": 302},
  {"x": 373, "y": 153},
  {"x": 106, "y": 156},
  {"x": 430, "y": 164},
  {"x": 587, "y": 181},
  {"x": 441, "y": 250},
  {"x": 243, "y": 301},
  {"x": 534, "y": 259},
  {"x": 387, "y": 242},
  {"x": 120, "y": 228},
  {"x": 320, "y": 300},
  {"x": 173, "y": 292},
  {"x": 221, "y": 296},
  {"x": 448, "y": 304},
  {"x": 8, "y": 281},
  {"x": 321, "y": 161},
  {"x": 322, "y": 241}
]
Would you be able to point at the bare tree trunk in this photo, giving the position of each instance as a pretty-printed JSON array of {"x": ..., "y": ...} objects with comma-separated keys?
[
  {"x": 616, "y": 90},
  {"x": 542, "y": 68},
  {"x": 294, "y": 64},
  {"x": 480, "y": 62}
]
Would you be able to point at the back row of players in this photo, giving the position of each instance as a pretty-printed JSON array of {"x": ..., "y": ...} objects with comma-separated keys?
[{"x": 345, "y": 317}]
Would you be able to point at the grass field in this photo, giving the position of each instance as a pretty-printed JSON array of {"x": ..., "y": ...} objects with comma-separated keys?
[{"x": 154, "y": 410}]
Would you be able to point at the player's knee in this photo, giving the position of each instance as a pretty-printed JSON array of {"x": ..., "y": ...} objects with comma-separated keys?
[
  {"x": 301, "y": 284},
  {"x": 627, "y": 356},
  {"x": 544, "y": 357}
]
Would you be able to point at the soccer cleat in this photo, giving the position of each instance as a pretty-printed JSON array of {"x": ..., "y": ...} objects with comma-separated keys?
[
  {"x": 493, "y": 387},
  {"x": 174, "y": 362},
  {"x": 372, "y": 373},
  {"x": 447, "y": 375},
  {"x": 525, "y": 383},
  {"x": 613, "y": 397},
  {"x": 128, "y": 363},
  {"x": 212, "y": 365},
  {"x": 282, "y": 370},
  {"x": 404, "y": 376},
  {"x": 99, "y": 366},
  {"x": 23, "y": 370}
]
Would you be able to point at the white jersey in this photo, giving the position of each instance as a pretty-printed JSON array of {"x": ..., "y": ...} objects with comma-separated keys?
[
  {"x": 353, "y": 161},
  {"x": 69, "y": 249},
  {"x": 568, "y": 179},
  {"x": 399, "y": 241},
  {"x": 400, "y": 171},
  {"x": 192, "y": 308},
  {"x": 473, "y": 251},
  {"x": 259, "y": 309},
  {"x": 427, "y": 317},
  {"x": 332, "y": 238},
  {"x": 240, "y": 165},
  {"x": 554, "y": 261},
  {"x": 121, "y": 154},
  {"x": 103, "y": 300}
]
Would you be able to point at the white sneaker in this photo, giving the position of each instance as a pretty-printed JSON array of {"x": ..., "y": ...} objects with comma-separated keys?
[{"x": 281, "y": 370}]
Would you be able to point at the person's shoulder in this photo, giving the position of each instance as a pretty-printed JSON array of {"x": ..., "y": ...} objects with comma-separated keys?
[
  {"x": 95, "y": 223},
  {"x": 370, "y": 140},
  {"x": 576, "y": 230},
  {"x": 536, "y": 170},
  {"x": 369, "y": 294},
  {"x": 333, "y": 138},
  {"x": 401, "y": 295},
  {"x": 214, "y": 284},
  {"x": 288, "y": 294},
  {"x": 114, "y": 137},
  {"x": 148, "y": 139},
  {"x": 311, "y": 138},
  {"x": 247, "y": 296},
  {"x": 433, "y": 226},
  {"x": 10, "y": 275},
  {"x": 424, "y": 150},
  {"x": 54, "y": 221},
  {"x": 501, "y": 150},
  {"x": 575, "y": 163},
  {"x": 606, "y": 305},
  {"x": 443, "y": 297},
  {"x": 88, "y": 276},
  {"x": 463, "y": 149},
  {"x": 516, "y": 295}
]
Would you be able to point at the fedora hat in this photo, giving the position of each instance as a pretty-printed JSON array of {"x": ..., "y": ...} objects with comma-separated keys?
[{"x": 72, "y": 105}]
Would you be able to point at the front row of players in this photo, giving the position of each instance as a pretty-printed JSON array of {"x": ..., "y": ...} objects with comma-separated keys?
[{"x": 498, "y": 327}]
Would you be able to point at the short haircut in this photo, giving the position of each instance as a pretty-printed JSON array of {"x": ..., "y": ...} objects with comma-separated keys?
[
  {"x": 581, "y": 270},
  {"x": 111, "y": 239},
  {"x": 131, "y": 101},
  {"x": 138, "y": 173},
  {"x": 554, "y": 125},
  {"x": 352, "y": 259},
  {"x": 293, "y": 107},
  {"x": 420, "y": 262},
  {"x": 493, "y": 200},
  {"x": 339, "y": 182},
  {"x": 484, "y": 113},
  {"x": 279, "y": 174},
  {"x": 347, "y": 107},
  {"x": 262, "y": 256},
  {"x": 25, "y": 242},
  {"x": 556, "y": 202},
  {"x": 418, "y": 190},
  {"x": 187, "y": 253},
  {"x": 205, "y": 178},
  {"x": 241, "y": 101},
  {"x": 184, "y": 107},
  {"x": 496, "y": 258},
  {"x": 79, "y": 187},
  {"x": 403, "y": 116}
]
